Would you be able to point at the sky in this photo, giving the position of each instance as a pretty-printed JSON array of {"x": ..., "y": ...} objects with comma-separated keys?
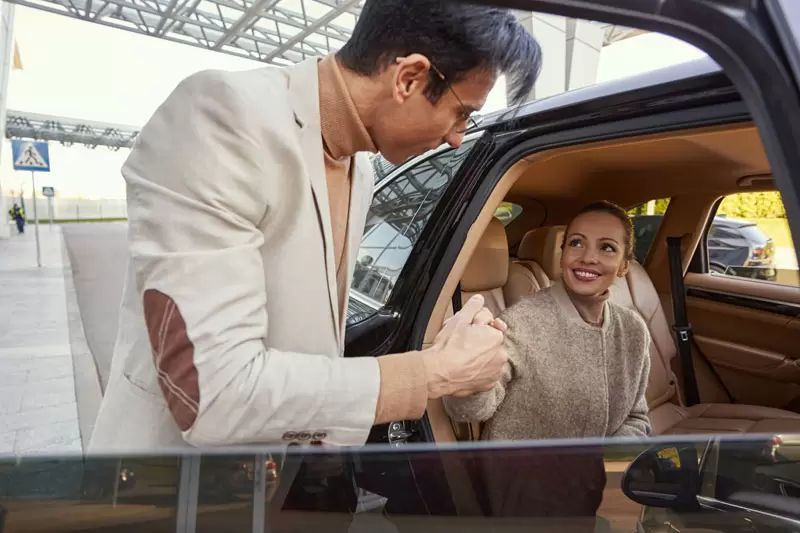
[{"x": 83, "y": 70}]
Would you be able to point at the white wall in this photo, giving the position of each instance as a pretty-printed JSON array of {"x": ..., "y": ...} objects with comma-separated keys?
[
  {"x": 6, "y": 55},
  {"x": 570, "y": 52},
  {"x": 73, "y": 208}
]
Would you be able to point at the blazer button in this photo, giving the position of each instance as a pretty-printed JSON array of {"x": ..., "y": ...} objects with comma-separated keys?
[
  {"x": 304, "y": 435},
  {"x": 290, "y": 435},
  {"x": 320, "y": 435}
]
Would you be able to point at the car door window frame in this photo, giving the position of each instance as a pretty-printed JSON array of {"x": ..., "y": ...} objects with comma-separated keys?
[{"x": 397, "y": 173}]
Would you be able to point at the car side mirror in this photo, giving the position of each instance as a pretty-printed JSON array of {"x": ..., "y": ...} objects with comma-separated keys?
[{"x": 666, "y": 475}]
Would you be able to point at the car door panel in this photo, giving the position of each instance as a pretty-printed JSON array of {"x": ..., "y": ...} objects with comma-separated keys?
[
  {"x": 772, "y": 293},
  {"x": 748, "y": 332},
  {"x": 768, "y": 364}
]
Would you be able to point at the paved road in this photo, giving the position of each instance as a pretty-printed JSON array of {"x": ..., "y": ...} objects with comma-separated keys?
[{"x": 98, "y": 253}]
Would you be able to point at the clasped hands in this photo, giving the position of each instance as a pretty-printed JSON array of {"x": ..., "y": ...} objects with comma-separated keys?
[{"x": 468, "y": 355}]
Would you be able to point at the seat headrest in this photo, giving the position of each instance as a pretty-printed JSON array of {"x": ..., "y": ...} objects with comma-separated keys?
[
  {"x": 543, "y": 245},
  {"x": 488, "y": 267}
]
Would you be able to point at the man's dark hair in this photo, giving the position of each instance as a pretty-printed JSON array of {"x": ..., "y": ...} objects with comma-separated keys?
[{"x": 457, "y": 37}]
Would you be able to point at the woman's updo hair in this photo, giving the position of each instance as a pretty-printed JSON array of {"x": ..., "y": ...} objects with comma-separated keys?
[{"x": 614, "y": 210}]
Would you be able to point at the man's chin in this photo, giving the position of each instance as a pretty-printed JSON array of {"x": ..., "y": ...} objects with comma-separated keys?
[
  {"x": 398, "y": 157},
  {"x": 394, "y": 159}
]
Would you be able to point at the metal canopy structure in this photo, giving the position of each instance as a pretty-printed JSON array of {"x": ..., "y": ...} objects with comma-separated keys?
[
  {"x": 273, "y": 31},
  {"x": 68, "y": 131}
]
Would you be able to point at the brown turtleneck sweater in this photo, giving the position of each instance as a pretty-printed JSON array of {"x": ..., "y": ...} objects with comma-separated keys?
[{"x": 403, "y": 393}]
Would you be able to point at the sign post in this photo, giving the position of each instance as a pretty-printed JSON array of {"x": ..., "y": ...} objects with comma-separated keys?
[
  {"x": 33, "y": 156},
  {"x": 36, "y": 220},
  {"x": 49, "y": 192}
]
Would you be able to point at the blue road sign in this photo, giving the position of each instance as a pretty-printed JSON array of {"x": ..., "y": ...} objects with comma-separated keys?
[{"x": 30, "y": 155}]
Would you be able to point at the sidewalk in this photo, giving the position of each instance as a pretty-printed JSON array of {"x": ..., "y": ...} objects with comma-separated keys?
[{"x": 38, "y": 406}]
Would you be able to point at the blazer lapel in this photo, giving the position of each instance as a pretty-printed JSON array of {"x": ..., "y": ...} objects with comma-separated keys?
[
  {"x": 360, "y": 201},
  {"x": 304, "y": 91}
]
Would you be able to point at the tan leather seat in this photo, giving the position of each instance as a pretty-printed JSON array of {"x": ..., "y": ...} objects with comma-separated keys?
[
  {"x": 668, "y": 414},
  {"x": 486, "y": 274},
  {"x": 487, "y": 270},
  {"x": 536, "y": 263}
]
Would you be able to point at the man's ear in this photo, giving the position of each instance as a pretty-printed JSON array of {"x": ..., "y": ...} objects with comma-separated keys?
[{"x": 410, "y": 75}]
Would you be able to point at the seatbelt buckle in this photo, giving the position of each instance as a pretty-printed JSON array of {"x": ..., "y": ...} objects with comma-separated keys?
[{"x": 683, "y": 332}]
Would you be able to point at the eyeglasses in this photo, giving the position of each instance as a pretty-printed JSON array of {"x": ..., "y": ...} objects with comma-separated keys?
[{"x": 472, "y": 118}]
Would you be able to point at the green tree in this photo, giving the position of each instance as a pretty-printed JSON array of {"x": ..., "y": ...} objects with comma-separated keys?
[
  {"x": 659, "y": 208},
  {"x": 750, "y": 205}
]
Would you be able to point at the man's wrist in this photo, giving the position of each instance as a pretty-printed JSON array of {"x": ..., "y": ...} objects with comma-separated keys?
[
  {"x": 437, "y": 385},
  {"x": 403, "y": 387}
]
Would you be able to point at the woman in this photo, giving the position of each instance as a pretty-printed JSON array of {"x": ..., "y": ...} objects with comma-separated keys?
[
  {"x": 579, "y": 363},
  {"x": 579, "y": 368}
]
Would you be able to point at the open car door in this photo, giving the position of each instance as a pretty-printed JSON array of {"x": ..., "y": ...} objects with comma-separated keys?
[{"x": 757, "y": 44}]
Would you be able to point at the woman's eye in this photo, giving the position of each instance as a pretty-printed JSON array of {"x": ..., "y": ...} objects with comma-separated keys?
[
  {"x": 574, "y": 243},
  {"x": 608, "y": 248}
]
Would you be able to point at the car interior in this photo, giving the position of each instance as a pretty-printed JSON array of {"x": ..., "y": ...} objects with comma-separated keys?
[{"x": 746, "y": 347}]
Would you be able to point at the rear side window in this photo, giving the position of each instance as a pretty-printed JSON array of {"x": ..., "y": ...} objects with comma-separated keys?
[
  {"x": 749, "y": 237},
  {"x": 646, "y": 219},
  {"x": 507, "y": 212}
]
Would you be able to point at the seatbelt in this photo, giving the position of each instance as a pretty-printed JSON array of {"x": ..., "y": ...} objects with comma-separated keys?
[
  {"x": 681, "y": 326},
  {"x": 457, "y": 299}
]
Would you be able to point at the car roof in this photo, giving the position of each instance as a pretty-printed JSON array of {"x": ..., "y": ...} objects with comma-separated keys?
[
  {"x": 684, "y": 71},
  {"x": 732, "y": 222}
]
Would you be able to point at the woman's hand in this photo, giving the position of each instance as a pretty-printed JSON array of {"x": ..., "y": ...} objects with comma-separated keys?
[
  {"x": 485, "y": 317},
  {"x": 467, "y": 356}
]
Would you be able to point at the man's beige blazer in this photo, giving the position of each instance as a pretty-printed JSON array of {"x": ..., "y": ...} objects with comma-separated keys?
[{"x": 231, "y": 254}]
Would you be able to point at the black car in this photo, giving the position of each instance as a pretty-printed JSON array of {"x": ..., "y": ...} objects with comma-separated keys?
[
  {"x": 722, "y": 484},
  {"x": 731, "y": 243},
  {"x": 735, "y": 119}
]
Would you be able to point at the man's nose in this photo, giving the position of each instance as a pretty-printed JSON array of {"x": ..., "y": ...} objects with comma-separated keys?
[{"x": 454, "y": 139}]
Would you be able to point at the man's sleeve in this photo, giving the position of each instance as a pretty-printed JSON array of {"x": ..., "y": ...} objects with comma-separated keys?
[{"x": 201, "y": 183}]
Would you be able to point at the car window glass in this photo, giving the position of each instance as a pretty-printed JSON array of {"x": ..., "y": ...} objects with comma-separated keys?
[
  {"x": 765, "y": 478},
  {"x": 507, "y": 212},
  {"x": 381, "y": 167},
  {"x": 400, "y": 210},
  {"x": 749, "y": 237},
  {"x": 646, "y": 219}
]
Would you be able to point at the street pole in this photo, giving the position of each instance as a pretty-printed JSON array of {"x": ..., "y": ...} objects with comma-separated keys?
[
  {"x": 50, "y": 210},
  {"x": 36, "y": 221},
  {"x": 116, "y": 485}
]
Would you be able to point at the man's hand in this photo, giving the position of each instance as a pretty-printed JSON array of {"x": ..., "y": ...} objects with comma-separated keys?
[{"x": 467, "y": 355}]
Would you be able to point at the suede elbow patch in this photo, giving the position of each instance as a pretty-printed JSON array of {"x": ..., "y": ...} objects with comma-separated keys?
[{"x": 173, "y": 354}]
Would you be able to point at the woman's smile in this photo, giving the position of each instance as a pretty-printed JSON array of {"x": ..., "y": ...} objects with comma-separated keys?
[{"x": 585, "y": 274}]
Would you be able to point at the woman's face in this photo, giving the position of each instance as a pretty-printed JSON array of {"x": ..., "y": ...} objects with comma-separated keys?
[{"x": 594, "y": 253}]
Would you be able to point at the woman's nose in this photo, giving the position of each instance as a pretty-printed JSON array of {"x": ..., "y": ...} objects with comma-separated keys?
[{"x": 589, "y": 257}]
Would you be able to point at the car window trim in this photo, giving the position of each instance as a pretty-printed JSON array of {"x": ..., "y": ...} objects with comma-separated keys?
[
  {"x": 726, "y": 507},
  {"x": 404, "y": 167},
  {"x": 750, "y": 302}
]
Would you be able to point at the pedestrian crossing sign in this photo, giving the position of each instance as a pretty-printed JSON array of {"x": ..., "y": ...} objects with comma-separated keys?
[{"x": 30, "y": 155}]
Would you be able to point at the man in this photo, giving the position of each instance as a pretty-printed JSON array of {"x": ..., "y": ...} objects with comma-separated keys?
[
  {"x": 18, "y": 215},
  {"x": 248, "y": 194}
]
